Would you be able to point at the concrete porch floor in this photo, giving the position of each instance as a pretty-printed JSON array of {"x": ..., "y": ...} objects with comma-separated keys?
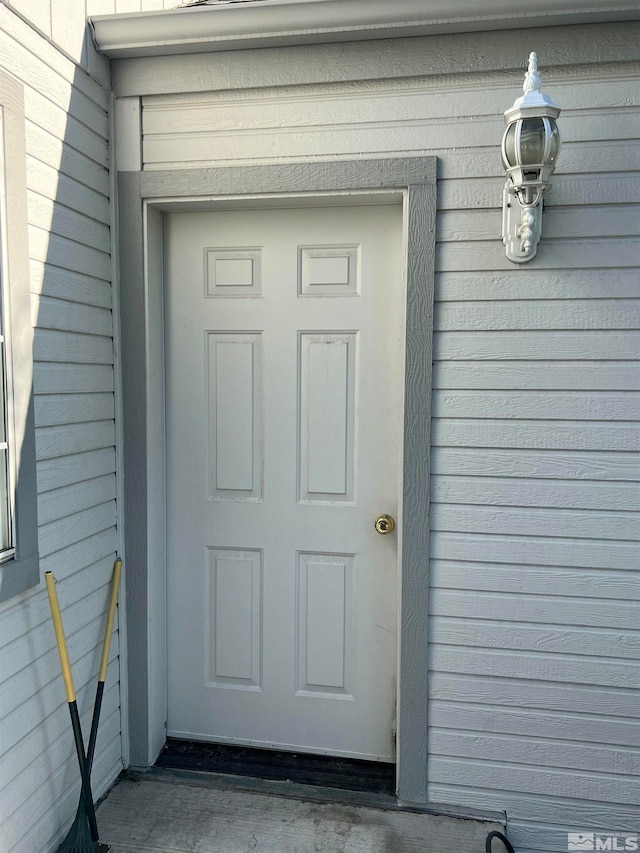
[{"x": 178, "y": 812}]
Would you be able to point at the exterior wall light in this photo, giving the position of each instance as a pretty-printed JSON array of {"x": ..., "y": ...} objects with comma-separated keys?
[{"x": 530, "y": 148}]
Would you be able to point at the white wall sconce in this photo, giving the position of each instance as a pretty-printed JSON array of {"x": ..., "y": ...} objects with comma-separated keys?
[{"x": 530, "y": 148}]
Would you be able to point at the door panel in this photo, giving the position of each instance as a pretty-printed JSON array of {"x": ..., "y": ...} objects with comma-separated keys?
[{"x": 284, "y": 365}]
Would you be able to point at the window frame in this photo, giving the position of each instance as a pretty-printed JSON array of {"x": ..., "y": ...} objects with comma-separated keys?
[{"x": 20, "y": 569}]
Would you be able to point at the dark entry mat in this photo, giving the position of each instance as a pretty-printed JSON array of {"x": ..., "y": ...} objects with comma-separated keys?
[{"x": 326, "y": 771}]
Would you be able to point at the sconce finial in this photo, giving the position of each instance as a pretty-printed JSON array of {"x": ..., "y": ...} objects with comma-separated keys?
[{"x": 532, "y": 81}]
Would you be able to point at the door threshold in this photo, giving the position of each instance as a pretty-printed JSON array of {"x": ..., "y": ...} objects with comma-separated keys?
[
  {"x": 307, "y": 793},
  {"x": 320, "y": 771}
]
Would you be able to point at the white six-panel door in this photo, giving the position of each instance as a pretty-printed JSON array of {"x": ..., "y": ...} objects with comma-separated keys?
[{"x": 284, "y": 348}]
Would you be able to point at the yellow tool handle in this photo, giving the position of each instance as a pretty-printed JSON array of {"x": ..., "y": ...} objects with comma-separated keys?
[
  {"x": 60, "y": 640},
  {"x": 115, "y": 583}
]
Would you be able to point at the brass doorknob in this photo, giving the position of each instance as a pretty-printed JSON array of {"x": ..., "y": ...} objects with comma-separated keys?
[{"x": 385, "y": 524}]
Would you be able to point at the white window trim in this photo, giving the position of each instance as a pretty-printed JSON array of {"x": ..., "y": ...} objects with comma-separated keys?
[{"x": 19, "y": 570}]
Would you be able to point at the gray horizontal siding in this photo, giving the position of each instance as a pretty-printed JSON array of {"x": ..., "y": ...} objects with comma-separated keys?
[
  {"x": 533, "y": 633},
  {"x": 534, "y": 636},
  {"x": 70, "y": 265}
]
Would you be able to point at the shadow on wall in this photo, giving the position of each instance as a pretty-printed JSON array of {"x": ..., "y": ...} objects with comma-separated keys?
[{"x": 72, "y": 405}]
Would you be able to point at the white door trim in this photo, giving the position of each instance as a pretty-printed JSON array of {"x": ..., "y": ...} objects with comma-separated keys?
[{"x": 142, "y": 198}]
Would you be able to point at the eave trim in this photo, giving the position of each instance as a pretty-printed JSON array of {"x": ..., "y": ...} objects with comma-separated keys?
[{"x": 270, "y": 23}]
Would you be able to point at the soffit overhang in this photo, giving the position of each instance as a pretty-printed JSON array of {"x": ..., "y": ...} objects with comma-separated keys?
[{"x": 272, "y": 23}]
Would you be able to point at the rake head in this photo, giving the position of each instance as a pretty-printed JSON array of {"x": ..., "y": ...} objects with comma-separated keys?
[{"x": 78, "y": 839}]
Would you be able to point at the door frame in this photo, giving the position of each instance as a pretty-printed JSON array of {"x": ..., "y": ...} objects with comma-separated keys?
[{"x": 143, "y": 197}]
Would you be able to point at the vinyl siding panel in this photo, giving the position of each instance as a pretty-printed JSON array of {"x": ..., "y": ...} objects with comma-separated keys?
[
  {"x": 70, "y": 265},
  {"x": 64, "y": 23},
  {"x": 536, "y": 478},
  {"x": 75, "y": 408},
  {"x": 73, "y": 287},
  {"x": 533, "y": 632}
]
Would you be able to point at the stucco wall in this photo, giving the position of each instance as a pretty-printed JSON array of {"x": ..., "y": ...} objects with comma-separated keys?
[{"x": 534, "y": 642}]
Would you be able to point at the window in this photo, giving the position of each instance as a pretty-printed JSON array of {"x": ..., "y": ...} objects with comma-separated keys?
[
  {"x": 7, "y": 532},
  {"x": 18, "y": 500}
]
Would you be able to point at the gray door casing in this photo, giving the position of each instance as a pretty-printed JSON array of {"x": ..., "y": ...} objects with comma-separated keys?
[{"x": 142, "y": 198}]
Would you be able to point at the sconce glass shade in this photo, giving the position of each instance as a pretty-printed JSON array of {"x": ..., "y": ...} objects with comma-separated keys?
[
  {"x": 530, "y": 149},
  {"x": 530, "y": 141}
]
